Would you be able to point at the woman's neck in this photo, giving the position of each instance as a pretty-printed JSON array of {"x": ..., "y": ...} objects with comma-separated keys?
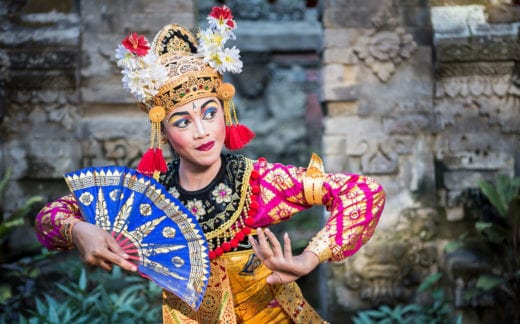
[{"x": 192, "y": 177}]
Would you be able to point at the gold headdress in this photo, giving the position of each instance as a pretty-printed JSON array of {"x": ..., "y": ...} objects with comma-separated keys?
[{"x": 176, "y": 71}]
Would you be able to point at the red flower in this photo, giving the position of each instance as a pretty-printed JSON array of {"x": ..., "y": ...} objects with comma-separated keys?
[
  {"x": 136, "y": 44},
  {"x": 223, "y": 14}
]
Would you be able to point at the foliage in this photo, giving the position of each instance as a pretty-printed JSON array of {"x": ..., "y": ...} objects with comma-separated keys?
[
  {"x": 17, "y": 218},
  {"x": 17, "y": 278},
  {"x": 95, "y": 296},
  {"x": 438, "y": 310},
  {"x": 499, "y": 233},
  {"x": 82, "y": 302},
  {"x": 54, "y": 287}
]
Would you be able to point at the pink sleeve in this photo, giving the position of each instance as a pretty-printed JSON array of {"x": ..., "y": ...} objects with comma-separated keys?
[
  {"x": 355, "y": 204},
  {"x": 54, "y": 223}
]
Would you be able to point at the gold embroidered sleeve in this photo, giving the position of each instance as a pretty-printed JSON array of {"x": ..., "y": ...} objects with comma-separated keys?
[
  {"x": 355, "y": 204},
  {"x": 55, "y": 221}
]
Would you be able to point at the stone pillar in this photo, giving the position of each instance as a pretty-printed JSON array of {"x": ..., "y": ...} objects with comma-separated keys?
[
  {"x": 378, "y": 92},
  {"x": 40, "y": 44}
]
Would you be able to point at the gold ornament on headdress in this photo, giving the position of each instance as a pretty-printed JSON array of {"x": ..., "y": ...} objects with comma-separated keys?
[{"x": 178, "y": 72}]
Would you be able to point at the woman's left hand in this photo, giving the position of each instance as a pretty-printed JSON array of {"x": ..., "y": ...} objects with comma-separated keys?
[{"x": 286, "y": 267}]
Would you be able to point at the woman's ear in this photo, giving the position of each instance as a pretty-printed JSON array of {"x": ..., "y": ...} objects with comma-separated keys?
[{"x": 164, "y": 138}]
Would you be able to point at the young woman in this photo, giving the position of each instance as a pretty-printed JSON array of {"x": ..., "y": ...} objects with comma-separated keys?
[{"x": 234, "y": 198}]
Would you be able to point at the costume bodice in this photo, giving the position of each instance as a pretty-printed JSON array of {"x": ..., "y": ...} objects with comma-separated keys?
[{"x": 218, "y": 205}]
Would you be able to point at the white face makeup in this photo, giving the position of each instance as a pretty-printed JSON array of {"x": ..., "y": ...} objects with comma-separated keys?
[{"x": 196, "y": 131}]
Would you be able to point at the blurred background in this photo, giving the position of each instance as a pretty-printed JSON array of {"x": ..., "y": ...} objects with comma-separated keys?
[{"x": 421, "y": 95}]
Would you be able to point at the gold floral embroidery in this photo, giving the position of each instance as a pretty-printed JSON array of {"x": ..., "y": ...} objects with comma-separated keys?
[
  {"x": 222, "y": 193},
  {"x": 196, "y": 208}
]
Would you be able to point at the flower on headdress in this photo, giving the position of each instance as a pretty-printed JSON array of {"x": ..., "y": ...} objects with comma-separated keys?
[
  {"x": 221, "y": 18},
  {"x": 136, "y": 44},
  {"x": 213, "y": 39},
  {"x": 143, "y": 73}
]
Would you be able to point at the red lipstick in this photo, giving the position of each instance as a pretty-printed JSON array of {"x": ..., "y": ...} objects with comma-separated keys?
[{"x": 205, "y": 147}]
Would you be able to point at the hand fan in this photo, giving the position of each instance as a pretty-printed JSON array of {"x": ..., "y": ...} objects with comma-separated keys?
[{"x": 148, "y": 223}]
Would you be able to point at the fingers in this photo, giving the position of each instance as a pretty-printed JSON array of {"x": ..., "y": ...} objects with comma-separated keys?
[
  {"x": 287, "y": 249},
  {"x": 98, "y": 248},
  {"x": 274, "y": 279},
  {"x": 114, "y": 247},
  {"x": 276, "y": 247},
  {"x": 265, "y": 248},
  {"x": 114, "y": 258}
]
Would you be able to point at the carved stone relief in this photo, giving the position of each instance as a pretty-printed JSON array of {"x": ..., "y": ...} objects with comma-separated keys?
[
  {"x": 389, "y": 268},
  {"x": 56, "y": 106},
  {"x": 261, "y": 9},
  {"x": 383, "y": 51},
  {"x": 387, "y": 45}
]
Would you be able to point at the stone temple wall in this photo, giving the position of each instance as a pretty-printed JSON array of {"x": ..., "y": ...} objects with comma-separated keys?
[{"x": 421, "y": 95}]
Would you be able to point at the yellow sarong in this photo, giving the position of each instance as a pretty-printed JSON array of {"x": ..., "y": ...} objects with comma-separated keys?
[{"x": 237, "y": 292}]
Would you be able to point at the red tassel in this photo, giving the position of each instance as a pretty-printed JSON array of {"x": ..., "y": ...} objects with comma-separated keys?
[
  {"x": 146, "y": 165},
  {"x": 237, "y": 136},
  {"x": 152, "y": 161},
  {"x": 159, "y": 162}
]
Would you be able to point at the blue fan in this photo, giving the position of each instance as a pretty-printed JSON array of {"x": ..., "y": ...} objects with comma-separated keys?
[{"x": 152, "y": 226}]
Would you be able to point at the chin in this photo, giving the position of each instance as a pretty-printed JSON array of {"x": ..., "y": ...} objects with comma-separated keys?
[{"x": 206, "y": 159}]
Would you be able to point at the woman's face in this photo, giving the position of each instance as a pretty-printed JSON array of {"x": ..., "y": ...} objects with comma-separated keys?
[{"x": 196, "y": 131}]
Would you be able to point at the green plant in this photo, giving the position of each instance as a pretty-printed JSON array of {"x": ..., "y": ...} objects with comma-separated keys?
[
  {"x": 98, "y": 297},
  {"x": 498, "y": 231},
  {"x": 437, "y": 310},
  {"x": 17, "y": 218},
  {"x": 17, "y": 277}
]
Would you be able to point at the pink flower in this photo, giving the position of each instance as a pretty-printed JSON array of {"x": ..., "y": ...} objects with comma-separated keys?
[{"x": 136, "y": 44}]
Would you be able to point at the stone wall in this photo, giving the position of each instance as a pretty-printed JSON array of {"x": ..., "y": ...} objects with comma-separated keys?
[
  {"x": 420, "y": 95},
  {"x": 423, "y": 96}
]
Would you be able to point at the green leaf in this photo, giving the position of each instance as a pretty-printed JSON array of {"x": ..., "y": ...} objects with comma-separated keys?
[
  {"x": 488, "y": 282},
  {"x": 494, "y": 197},
  {"x": 374, "y": 314},
  {"x": 5, "y": 179},
  {"x": 40, "y": 307},
  {"x": 470, "y": 293},
  {"x": 429, "y": 281},
  {"x": 452, "y": 246},
  {"x": 26, "y": 208},
  {"x": 495, "y": 233},
  {"x": 83, "y": 280}
]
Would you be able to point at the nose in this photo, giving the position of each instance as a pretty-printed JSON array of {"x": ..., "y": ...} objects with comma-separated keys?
[{"x": 200, "y": 131}]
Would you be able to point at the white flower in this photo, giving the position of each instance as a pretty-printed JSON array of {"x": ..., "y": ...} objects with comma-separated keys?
[
  {"x": 210, "y": 40},
  {"x": 230, "y": 60},
  {"x": 142, "y": 75},
  {"x": 125, "y": 59},
  {"x": 213, "y": 39}
]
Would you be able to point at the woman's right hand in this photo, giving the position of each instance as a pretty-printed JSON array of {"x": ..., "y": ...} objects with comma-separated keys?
[{"x": 97, "y": 247}]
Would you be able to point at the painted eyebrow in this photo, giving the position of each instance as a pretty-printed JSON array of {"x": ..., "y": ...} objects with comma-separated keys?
[{"x": 185, "y": 113}]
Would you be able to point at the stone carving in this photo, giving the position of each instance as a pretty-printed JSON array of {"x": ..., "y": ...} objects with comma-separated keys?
[
  {"x": 287, "y": 10},
  {"x": 121, "y": 152},
  {"x": 499, "y": 49},
  {"x": 383, "y": 51},
  {"x": 27, "y": 106},
  {"x": 389, "y": 268},
  {"x": 475, "y": 80}
]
